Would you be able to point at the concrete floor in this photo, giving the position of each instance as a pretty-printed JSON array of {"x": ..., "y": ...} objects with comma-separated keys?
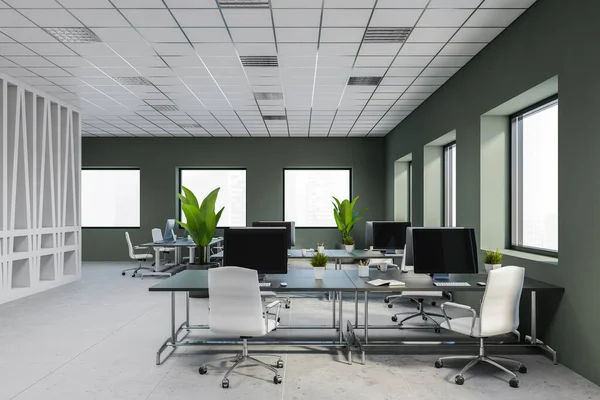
[{"x": 97, "y": 338}]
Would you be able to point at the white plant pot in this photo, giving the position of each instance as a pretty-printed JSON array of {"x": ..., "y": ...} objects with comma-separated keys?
[
  {"x": 319, "y": 272},
  {"x": 363, "y": 271},
  {"x": 489, "y": 267},
  {"x": 349, "y": 248},
  {"x": 321, "y": 249}
]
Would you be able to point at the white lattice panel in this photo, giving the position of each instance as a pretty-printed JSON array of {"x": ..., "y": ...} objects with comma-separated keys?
[{"x": 40, "y": 163}]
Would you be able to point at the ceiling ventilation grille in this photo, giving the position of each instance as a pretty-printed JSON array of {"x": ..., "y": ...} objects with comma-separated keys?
[
  {"x": 244, "y": 3},
  {"x": 165, "y": 108},
  {"x": 274, "y": 118},
  {"x": 190, "y": 126},
  {"x": 268, "y": 96},
  {"x": 73, "y": 35},
  {"x": 386, "y": 35},
  {"x": 259, "y": 61},
  {"x": 364, "y": 80},
  {"x": 133, "y": 81}
]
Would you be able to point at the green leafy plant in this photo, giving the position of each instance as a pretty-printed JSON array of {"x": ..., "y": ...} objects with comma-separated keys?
[
  {"x": 319, "y": 260},
  {"x": 201, "y": 219},
  {"x": 348, "y": 240},
  {"x": 345, "y": 216},
  {"x": 493, "y": 257}
]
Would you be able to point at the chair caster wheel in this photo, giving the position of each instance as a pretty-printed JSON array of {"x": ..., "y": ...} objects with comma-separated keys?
[
  {"x": 437, "y": 330},
  {"x": 459, "y": 379},
  {"x": 287, "y": 306},
  {"x": 390, "y": 305},
  {"x": 438, "y": 364},
  {"x": 514, "y": 383},
  {"x": 424, "y": 318},
  {"x": 433, "y": 303},
  {"x": 123, "y": 273},
  {"x": 522, "y": 369},
  {"x": 279, "y": 364},
  {"x": 225, "y": 383},
  {"x": 386, "y": 300},
  {"x": 202, "y": 370},
  {"x": 394, "y": 319},
  {"x": 277, "y": 379},
  {"x": 133, "y": 275}
]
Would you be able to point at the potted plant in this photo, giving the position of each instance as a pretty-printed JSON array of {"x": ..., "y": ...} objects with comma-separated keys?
[
  {"x": 348, "y": 243},
  {"x": 345, "y": 219},
  {"x": 492, "y": 260},
  {"x": 319, "y": 262},
  {"x": 201, "y": 223},
  {"x": 321, "y": 247}
]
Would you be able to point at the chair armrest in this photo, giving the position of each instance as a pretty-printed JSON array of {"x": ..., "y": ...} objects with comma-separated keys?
[
  {"x": 140, "y": 248},
  {"x": 272, "y": 304},
  {"x": 460, "y": 307},
  {"x": 267, "y": 312}
]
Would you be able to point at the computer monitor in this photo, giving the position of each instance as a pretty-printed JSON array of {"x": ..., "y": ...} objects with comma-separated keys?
[
  {"x": 443, "y": 251},
  {"x": 386, "y": 235},
  {"x": 169, "y": 228},
  {"x": 290, "y": 226},
  {"x": 262, "y": 249}
]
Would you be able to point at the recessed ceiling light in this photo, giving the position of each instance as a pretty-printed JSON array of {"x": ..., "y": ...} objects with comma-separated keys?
[
  {"x": 133, "y": 80},
  {"x": 165, "y": 108},
  {"x": 364, "y": 80},
  {"x": 244, "y": 3},
  {"x": 386, "y": 35},
  {"x": 73, "y": 35},
  {"x": 268, "y": 96},
  {"x": 274, "y": 117},
  {"x": 190, "y": 126},
  {"x": 259, "y": 61}
]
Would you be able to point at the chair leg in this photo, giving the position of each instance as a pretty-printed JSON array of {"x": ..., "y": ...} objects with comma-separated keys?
[
  {"x": 501, "y": 367},
  {"x": 470, "y": 365}
]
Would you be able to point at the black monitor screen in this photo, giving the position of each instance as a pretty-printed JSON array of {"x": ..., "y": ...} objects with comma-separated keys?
[
  {"x": 262, "y": 249},
  {"x": 444, "y": 251},
  {"x": 289, "y": 225},
  {"x": 389, "y": 235}
]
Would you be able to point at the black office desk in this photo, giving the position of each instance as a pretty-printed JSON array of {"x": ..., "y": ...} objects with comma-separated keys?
[
  {"x": 336, "y": 281},
  {"x": 424, "y": 283}
]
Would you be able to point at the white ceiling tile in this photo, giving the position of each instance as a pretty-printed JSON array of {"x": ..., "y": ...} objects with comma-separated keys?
[
  {"x": 366, "y": 72},
  {"x": 420, "y": 49},
  {"x": 412, "y": 61},
  {"x": 402, "y": 3},
  {"x": 132, "y": 49},
  {"x": 396, "y": 81},
  {"x": 483, "y": 35},
  {"x": 240, "y": 17},
  {"x": 207, "y": 35},
  {"x": 345, "y": 18},
  {"x": 150, "y": 18},
  {"x": 462, "y": 49},
  {"x": 395, "y": 17},
  {"x": 199, "y": 17},
  {"x": 84, "y": 3},
  {"x": 303, "y": 18},
  {"x": 11, "y": 18},
  {"x": 444, "y": 17},
  {"x": 47, "y": 72},
  {"x": 404, "y": 71},
  {"x": 493, "y": 18},
  {"x": 32, "y": 4},
  {"x": 173, "y": 49},
  {"x": 68, "y": 61},
  {"x": 371, "y": 61},
  {"x": 51, "y": 18},
  {"x": 297, "y": 34},
  {"x": 28, "y": 35},
  {"x": 163, "y": 35},
  {"x": 138, "y": 3},
  {"x": 102, "y": 18},
  {"x": 249, "y": 35},
  {"x": 379, "y": 49},
  {"x": 250, "y": 49},
  {"x": 51, "y": 49},
  {"x": 118, "y": 35},
  {"x": 454, "y": 3},
  {"x": 429, "y": 35},
  {"x": 349, "y": 3},
  {"x": 449, "y": 61},
  {"x": 91, "y": 49},
  {"x": 507, "y": 3},
  {"x": 191, "y": 3},
  {"x": 430, "y": 80},
  {"x": 339, "y": 61},
  {"x": 440, "y": 71},
  {"x": 212, "y": 49},
  {"x": 342, "y": 35},
  {"x": 29, "y": 61}
]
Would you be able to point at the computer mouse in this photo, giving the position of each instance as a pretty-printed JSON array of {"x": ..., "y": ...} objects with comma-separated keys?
[
  {"x": 481, "y": 283},
  {"x": 283, "y": 284}
]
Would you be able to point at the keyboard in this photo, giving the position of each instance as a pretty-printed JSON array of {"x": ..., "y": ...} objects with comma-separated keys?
[
  {"x": 451, "y": 284},
  {"x": 264, "y": 284}
]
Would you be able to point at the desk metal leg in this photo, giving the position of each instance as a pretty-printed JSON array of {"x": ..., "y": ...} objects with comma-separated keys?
[
  {"x": 341, "y": 319},
  {"x": 173, "y": 329},
  {"x": 366, "y": 317},
  {"x": 187, "y": 310},
  {"x": 355, "y": 309},
  {"x": 333, "y": 302},
  {"x": 533, "y": 338}
]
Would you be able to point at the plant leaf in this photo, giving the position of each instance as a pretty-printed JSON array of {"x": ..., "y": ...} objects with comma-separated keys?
[{"x": 190, "y": 198}]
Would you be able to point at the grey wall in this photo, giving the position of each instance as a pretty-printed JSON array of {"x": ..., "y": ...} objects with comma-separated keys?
[
  {"x": 554, "y": 37},
  {"x": 264, "y": 158}
]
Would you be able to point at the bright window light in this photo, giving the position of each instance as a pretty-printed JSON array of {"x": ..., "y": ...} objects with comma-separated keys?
[
  {"x": 308, "y": 195},
  {"x": 232, "y": 195},
  {"x": 110, "y": 198}
]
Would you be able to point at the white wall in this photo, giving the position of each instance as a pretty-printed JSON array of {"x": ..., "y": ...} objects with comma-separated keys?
[{"x": 40, "y": 164}]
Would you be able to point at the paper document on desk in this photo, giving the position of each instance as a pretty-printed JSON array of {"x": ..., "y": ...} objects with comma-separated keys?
[{"x": 390, "y": 282}]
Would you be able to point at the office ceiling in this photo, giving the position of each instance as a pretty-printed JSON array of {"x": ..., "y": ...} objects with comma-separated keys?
[{"x": 245, "y": 67}]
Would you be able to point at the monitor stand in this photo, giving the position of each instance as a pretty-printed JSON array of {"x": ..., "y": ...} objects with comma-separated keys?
[
  {"x": 389, "y": 251},
  {"x": 261, "y": 277},
  {"x": 441, "y": 277}
]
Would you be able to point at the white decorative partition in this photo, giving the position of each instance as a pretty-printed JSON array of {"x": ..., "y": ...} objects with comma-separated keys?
[{"x": 40, "y": 164}]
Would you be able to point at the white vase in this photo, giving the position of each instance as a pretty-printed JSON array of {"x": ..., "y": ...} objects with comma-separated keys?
[
  {"x": 321, "y": 249},
  {"x": 489, "y": 267},
  {"x": 349, "y": 248},
  {"x": 319, "y": 272}
]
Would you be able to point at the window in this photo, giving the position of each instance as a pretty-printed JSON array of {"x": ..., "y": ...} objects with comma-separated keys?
[
  {"x": 232, "y": 195},
  {"x": 410, "y": 191},
  {"x": 450, "y": 185},
  {"x": 534, "y": 134},
  {"x": 110, "y": 198},
  {"x": 308, "y": 195}
]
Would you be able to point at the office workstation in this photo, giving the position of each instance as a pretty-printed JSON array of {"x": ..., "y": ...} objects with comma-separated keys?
[{"x": 292, "y": 199}]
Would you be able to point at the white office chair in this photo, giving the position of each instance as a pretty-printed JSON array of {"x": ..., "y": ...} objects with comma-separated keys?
[
  {"x": 235, "y": 308},
  {"x": 138, "y": 257},
  {"x": 498, "y": 315},
  {"x": 418, "y": 298},
  {"x": 157, "y": 236}
]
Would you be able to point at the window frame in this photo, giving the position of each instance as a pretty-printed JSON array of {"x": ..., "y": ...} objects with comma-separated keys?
[
  {"x": 114, "y": 169},
  {"x": 179, "y": 211},
  {"x": 447, "y": 203},
  {"x": 515, "y": 165},
  {"x": 410, "y": 192},
  {"x": 349, "y": 169}
]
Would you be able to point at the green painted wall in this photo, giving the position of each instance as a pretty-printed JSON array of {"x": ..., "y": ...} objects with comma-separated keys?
[
  {"x": 553, "y": 38},
  {"x": 264, "y": 158}
]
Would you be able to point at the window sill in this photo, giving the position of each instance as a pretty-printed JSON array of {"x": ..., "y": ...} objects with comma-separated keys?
[{"x": 530, "y": 256}]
